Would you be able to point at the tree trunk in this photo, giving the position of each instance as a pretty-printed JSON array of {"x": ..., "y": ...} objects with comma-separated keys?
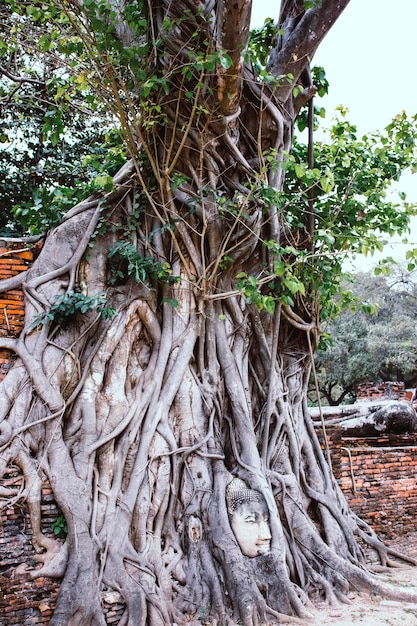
[
  {"x": 141, "y": 421},
  {"x": 371, "y": 418}
]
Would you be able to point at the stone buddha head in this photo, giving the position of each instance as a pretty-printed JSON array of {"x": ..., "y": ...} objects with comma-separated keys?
[{"x": 249, "y": 518}]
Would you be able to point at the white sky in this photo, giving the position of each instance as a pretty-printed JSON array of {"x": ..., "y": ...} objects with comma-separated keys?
[{"x": 369, "y": 58}]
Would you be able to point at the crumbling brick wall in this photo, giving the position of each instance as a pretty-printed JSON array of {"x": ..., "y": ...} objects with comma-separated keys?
[
  {"x": 15, "y": 257},
  {"x": 378, "y": 476},
  {"x": 380, "y": 481},
  {"x": 23, "y": 600},
  {"x": 382, "y": 391}
]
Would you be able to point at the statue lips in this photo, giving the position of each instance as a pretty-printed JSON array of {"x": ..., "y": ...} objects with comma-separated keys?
[{"x": 264, "y": 547}]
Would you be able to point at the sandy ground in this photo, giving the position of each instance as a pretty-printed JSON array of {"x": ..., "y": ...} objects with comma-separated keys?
[
  {"x": 366, "y": 610},
  {"x": 375, "y": 611}
]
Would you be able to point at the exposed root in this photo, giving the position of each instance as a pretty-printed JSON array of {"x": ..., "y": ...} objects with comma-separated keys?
[{"x": 54, "y": 562}]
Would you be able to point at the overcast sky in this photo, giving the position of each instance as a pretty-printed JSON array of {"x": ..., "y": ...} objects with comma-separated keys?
[{"x": 369, "y": 58}]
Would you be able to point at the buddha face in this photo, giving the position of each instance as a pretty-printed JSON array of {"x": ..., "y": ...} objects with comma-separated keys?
[{"x": 250, "y": 524}]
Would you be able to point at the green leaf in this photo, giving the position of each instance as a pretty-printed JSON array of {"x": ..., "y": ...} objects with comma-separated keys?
[
  {"x": 327, "y": 182},
  {"x": 44, "y": 43},
  {"x": 226, "y": 61},
  {"x": 269, "y": 304},
  {"x": 172, "y": 301},
  {"x": 299, "y": 169},
  {"x": 294, "y": 286},
  {"x": 280, "y": 268},
  {"x": 104, "y": 181}
]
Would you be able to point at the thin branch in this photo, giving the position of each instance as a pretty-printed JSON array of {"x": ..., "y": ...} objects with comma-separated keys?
[{"x": 20, "y": 79}]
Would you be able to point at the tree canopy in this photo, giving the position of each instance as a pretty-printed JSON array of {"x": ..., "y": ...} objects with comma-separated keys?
[
  {"x": 161, "y": 378},
  {"x": 56, "y": 137},
  {"x": 373, "y": 339}
]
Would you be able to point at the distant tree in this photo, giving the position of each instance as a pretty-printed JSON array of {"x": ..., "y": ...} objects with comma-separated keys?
[
  {"x": 56, "y": 137},
  {"x": 372, "y": 340}
]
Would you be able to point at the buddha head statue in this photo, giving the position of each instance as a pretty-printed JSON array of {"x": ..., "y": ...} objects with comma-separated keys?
[{"x": 249, "y": 518}]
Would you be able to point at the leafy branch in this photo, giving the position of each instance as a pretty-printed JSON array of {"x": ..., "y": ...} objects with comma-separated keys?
[
  {"x": 125, "y": 261},
  {"x": 67, "y": 305}
]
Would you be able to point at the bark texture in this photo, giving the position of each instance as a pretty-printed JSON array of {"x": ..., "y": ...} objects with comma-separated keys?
[
  {"x": 140, "y": 421},
  {"x": 372, "y": 418}
]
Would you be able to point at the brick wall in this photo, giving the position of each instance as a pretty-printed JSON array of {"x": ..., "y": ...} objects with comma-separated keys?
[
  {"x": 15, "y": 257},
  {"x": 378, "y": 475},
  {"x": 387, "y": 390},
  {"x": 23, "y": 600}
]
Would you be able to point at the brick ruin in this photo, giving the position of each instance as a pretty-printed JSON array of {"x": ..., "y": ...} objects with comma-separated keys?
[
  {"x": 22, "y": 601},
  {"x": 15, "y": 257},
  {"x": 389, "y": 390},
  {"x": 378, "y": 476}
]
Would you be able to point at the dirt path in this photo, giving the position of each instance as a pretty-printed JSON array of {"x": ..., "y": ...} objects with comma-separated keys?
[
  {"x": 374, "y": 611},
  {"x": 366, "y": 610}
]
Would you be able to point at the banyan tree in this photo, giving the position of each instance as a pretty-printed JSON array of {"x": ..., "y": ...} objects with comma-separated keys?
[{"x": 171, "y": 318}]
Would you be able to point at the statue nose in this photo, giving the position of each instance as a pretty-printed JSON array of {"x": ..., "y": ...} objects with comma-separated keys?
[{"x": 265, "y": 532}]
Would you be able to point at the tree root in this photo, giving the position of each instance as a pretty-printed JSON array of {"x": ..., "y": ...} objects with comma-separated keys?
[{"x": 54, "y": 562}]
